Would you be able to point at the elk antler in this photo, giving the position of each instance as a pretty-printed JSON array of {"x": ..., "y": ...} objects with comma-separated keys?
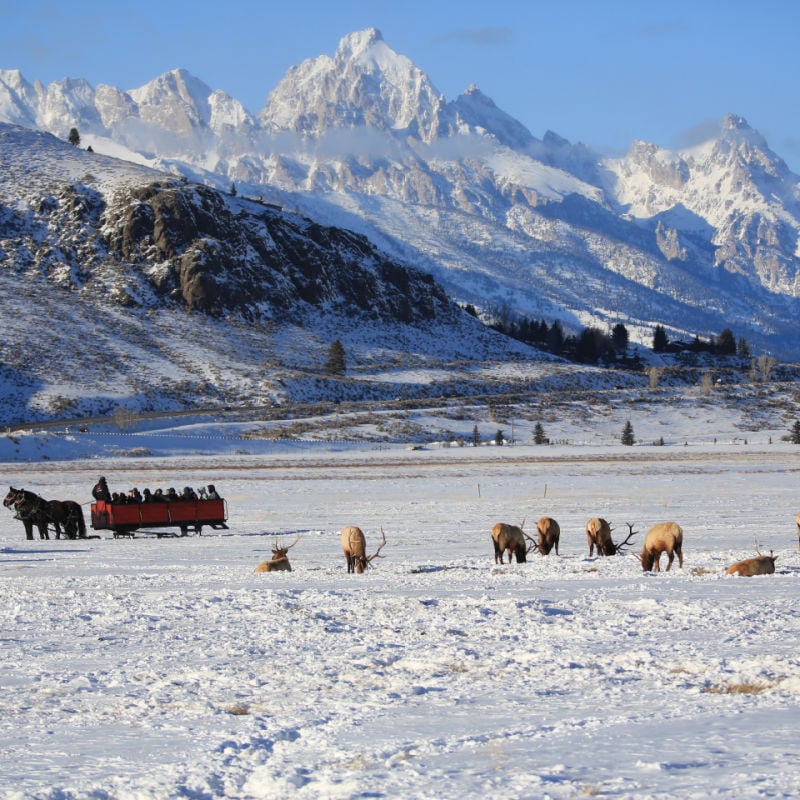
[
  {"x": 627, "y": 540},
  {"x": 296, "y": 540},
  {"x": 377, "y": 552},
  {"x": 534, "y": 545}
]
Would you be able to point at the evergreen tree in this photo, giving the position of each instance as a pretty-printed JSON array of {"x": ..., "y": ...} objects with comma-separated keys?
[
  {"x": 619, "y": 336},
  {"x": 555, "y": 338},
  {"x": 336, "y": 363},
  {"x": 743, "y": 348},
  {"x": 796, "y": 432},
  {"x": 476, "y": 437},
  {"x": 233, "y": 190},
  {"x": 74, "y": 137},
  {"x": 539, "y": 435},
  {"x": 627, "y": 435},
  {"x": 499, "y": 438},
  {"x": 726, "y": 343},
  {"x": 660, "y": 341}
]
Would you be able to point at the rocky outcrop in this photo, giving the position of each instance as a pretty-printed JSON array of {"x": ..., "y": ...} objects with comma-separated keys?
[{"x": 217, "y": 254}]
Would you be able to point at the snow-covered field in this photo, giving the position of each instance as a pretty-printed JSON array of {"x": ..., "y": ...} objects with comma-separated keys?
[{"x": 152, "y": 668}]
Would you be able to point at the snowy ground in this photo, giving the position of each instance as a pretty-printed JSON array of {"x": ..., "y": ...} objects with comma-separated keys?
[{"x": 152, "y": 668}]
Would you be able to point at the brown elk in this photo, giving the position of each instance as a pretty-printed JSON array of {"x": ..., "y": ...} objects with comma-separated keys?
[
  {"x": 354, "y": 545},
  {"x": 549, "y": 534},
  {"x": 280, "y": 559},
  {"x": 598, "y": 534},
  {"x": 663, "y": 537},
  {"x": 797, "y": 520},
  {"x": 511, "y": 539},
  {"x": 759, "y": 565}
]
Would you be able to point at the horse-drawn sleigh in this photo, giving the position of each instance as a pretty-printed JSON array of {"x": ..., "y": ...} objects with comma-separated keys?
[
  {"x": 187, "y": 515},
  {"x": 123, "y": 519}
]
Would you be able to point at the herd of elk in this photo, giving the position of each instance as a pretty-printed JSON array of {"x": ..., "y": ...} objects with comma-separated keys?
[
  {"x": 663, "y": 537},
  {"x": 280, "y": 559}
]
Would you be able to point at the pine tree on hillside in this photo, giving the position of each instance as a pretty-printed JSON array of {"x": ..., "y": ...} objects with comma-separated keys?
[
  {"x": 74, "y": 137},
  {"x": 336, "y": 363},
  {"x": 660, "y": 341},
  {"x": 539, "y": 436},
  {"x": 628, "y": 438},
  {"x": 796, "y": 432},
  {"x": 619, "y": 336}
]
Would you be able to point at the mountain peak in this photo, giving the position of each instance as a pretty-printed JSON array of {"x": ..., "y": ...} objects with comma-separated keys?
[
  {"x": 733, "y": 122},
  {"x": 358, "y": 42}
]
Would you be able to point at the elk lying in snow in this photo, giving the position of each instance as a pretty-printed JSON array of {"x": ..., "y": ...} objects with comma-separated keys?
[
  {"x": 280, "y": 561},
  {"x": 354, "y": 545},
  {"x": 549, "y": 534},
  {"x": 511, "y": 539},
  {"x": 663, "y": 537},
  {"x": 759, "y": 565},
  {"x": 797, "y": 520},
  {"x": 598, "y": 534}
]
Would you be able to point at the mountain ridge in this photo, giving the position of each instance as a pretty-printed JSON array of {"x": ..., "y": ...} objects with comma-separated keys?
[{"x": 696, "y": 240}]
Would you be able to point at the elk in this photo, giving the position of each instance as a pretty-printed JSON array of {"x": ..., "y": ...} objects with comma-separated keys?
[
  {"x": 797, "y": 520},
  {"x": 509, "y": 538},
  {"x": 758, "y": 565},
  {"x": 663, "y": 537},
  {"x": 354, "y": 545},
  {"x": 598, "y": 534},
  {"x": 280, "y": 561},
  {"x": 549, "y": 534}
]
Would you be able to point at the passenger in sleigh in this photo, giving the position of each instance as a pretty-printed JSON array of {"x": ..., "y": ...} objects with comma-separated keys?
[{"x": 100, "y": 491}]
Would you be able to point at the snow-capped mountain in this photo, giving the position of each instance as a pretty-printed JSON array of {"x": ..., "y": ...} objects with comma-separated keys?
[{"x": 695, "y": 240}]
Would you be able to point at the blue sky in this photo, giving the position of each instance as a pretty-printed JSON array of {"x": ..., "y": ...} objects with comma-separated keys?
[{"x": 604, "y": 73}]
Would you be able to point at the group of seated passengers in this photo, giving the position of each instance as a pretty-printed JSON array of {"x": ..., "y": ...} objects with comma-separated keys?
[{"x": 101, "y": 492}]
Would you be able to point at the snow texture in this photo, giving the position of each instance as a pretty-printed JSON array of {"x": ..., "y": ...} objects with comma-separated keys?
[{"x": 165, "y": 667}]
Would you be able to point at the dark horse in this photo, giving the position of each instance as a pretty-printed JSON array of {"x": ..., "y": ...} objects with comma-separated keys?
[
  {"x": 35, "y": 510},
  {"x": 30, "y": 508}
]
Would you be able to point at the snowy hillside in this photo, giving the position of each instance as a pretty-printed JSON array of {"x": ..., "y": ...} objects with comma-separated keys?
[{"x": 696, "y": 241}]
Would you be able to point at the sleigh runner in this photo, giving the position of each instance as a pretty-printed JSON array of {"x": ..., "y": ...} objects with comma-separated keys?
[{"x": 187, "y": 515}]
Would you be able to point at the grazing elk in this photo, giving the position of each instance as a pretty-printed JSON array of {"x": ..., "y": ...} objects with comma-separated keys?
[
  {"x": 549, "y": 534},
  {"x": 598, "y": 534},
  {"x": 354, "y": 545},
  {"x": 663, "y": 537},
  {"x": 510, "y": 539},
  {"x": 280, "y": 559}
]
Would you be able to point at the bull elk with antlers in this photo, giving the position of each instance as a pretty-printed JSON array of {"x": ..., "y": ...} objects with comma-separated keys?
[
  {"x": 354, "y": 545},
  {"x": 510, "y": 539},
  {"x": 280, "y": 559},
  {"x": 758, "y": 565},
  {"x": 663, "y": 537},
  {"x": 598, "y": 534}
]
